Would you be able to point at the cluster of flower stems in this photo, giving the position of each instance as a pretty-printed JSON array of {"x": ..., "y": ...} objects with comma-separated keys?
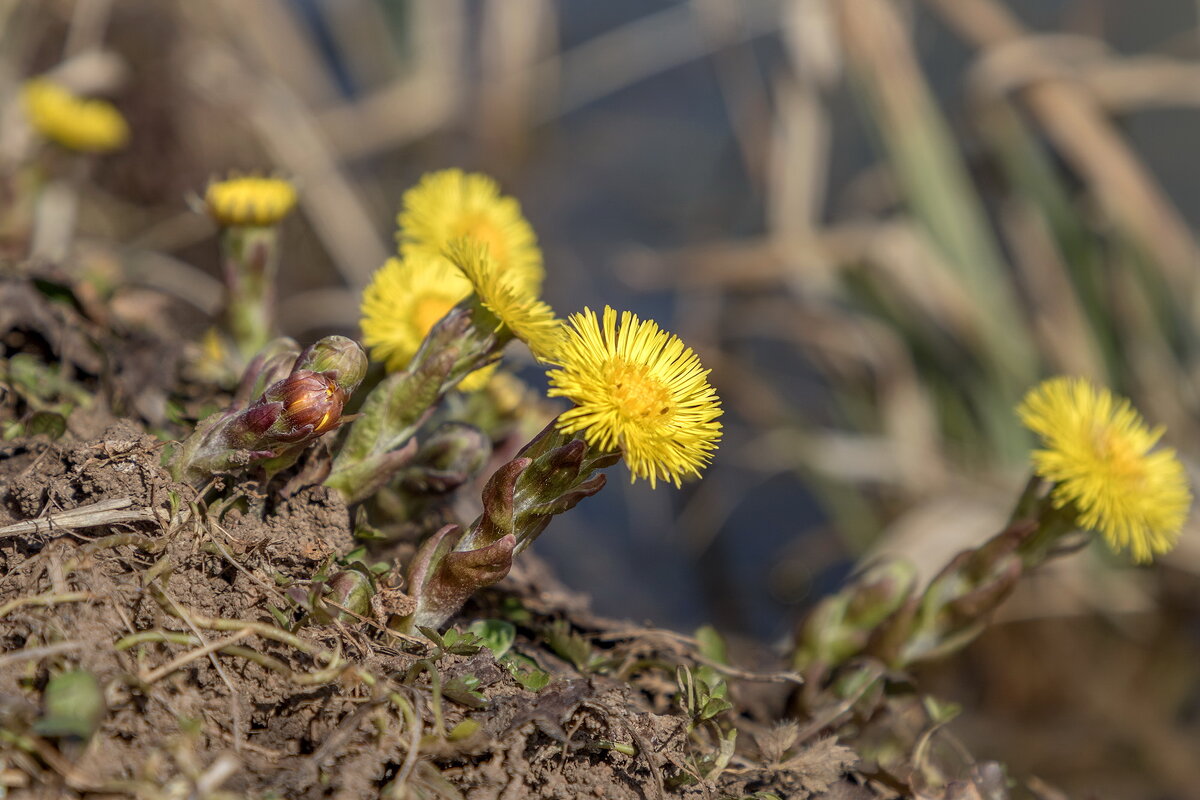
[{"x": 287, "y": 399}]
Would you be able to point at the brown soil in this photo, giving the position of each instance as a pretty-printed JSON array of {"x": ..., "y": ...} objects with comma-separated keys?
[{"x": 166, "y": 602}]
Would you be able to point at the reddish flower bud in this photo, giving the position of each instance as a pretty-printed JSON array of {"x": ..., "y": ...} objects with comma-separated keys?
[
  {"x": 260, "y": 417},
  {"x": 292, "y": 412},
  {"x": 312, "y": 403}
]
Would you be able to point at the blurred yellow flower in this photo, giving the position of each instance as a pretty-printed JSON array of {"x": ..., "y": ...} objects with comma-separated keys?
[
  {"x": 507, "y": 392},
  {"x": 86, "y": 125},
  {"x": 1097, "y": 453},
  {"x": 249, "y": 200},
  {"x": 637, "y": 388},
  {"x": 403, "y": 302},
  {"x": 521, "y": 312},
  {"x": 451, "y": 204}
]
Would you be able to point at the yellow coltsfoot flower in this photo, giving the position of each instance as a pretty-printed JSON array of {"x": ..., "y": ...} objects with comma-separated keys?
[
  {"x": 514, "y": 306},
  {"x": 637, "y": 388},
  {"x": 82, "y": 124},
  {"x": 249, "y": 200},
  {"x": 453, "y": 204},
  {"x": 403, "y": 302},
  {"x": 1097, "y": 453}
]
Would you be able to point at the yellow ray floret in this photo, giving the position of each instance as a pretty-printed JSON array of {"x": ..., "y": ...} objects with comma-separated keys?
[
  {"x": 1097, "y": 452},
  {"x": 452, "y": 204},
  {"x": 521, "y": 312},
  {"x": 403, "y": 302},
  {"x": 249, "y": 200},
  {"x": 637, "y": 388},
  {"x": 86, "y": 125}
]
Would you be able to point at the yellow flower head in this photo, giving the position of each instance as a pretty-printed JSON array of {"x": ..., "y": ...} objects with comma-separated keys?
[
  {"x": 638, "y": 388},
  {"x": 507, "y": 392},
  {"x": 89, "y": 126},
  {"x": 249, "y": 200},
  {"x": 1097, "y": 452},
  {"x": 403, "y": 302},
  {"x": 521, "y": 312},
  {"x": 452, "y": 204}
]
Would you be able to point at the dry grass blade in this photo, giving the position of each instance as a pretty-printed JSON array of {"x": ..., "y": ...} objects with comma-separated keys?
[
  {"x": 932, "y": 176},
  {"x": 652, "y": 44},
  {"x": 51, "y": 599},
  {"x": 104, "y": 512},
  {"x": 185, "y": 658},
  {"x": 291, "y": 133},
  {"x": 1089, "y": 142},
  {"x": 1134, "y": 84},
  {"x": 33, "y": 653},
  {"x": 516, "y": 33},
  {"x": 1058, "y": 320},
  {"x": 414, "y": 104}
]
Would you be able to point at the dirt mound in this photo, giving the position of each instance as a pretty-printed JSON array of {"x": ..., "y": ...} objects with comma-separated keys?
[{"x": 187, "y": 642}]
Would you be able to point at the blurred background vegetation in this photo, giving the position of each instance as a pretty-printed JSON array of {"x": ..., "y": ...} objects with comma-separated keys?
[{"x": 878, "y": 221}]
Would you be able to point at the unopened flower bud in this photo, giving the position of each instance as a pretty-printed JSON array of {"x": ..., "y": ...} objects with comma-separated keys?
[
  {"x": 271, "y": 364},
  {"x": 351, "y": 590},
  {"x": 341, "y": 358},
  {"x": 273, "y": 430},
  {"x": 879, "y": 591},
  {"x": 311, "y": 404}
]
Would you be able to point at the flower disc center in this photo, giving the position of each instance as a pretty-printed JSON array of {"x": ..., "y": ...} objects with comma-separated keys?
[
  {"x": 429, "y": 310},
  {"x": 1117, "y": 453},
  {"x": 481, "y": 229},
  {"x": 638, "y": 395}
]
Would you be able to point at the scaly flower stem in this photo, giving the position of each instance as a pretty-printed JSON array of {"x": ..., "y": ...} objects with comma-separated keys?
[
  {"x": 250, "y": 255},
  {"x": 381, "y": 442},
  {"x": 549, "y": 476},
  {"x": 881, "y": 615}
]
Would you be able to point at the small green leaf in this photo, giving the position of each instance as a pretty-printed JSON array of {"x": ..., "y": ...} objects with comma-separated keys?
[
  {"x": 357, "y": 554},
  {"x": 463, "y": 730},
  {"x": 713, "y": 681},
  {"x": 571, "y": 646},
  {"x": 940, "y": 712},
  {"x": 464, "y": 690},
  {"x": 363, "y": 530},
  {"x": 432, "y": 635},
  {"x": 462, "y": 643},
  {"x": 512, "y": 610},
  {"x": 526, "y": 671},
  {"x": 496, "y": 635},
  {"x": 280, "y": 616},
  {"x": 48, "y": 423},
  {"x": 714, "y": 706}
]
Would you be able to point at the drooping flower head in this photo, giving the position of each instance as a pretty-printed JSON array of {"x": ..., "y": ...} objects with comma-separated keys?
[
  {"x": 86, "y": 125},
  {"x": 249, "y": 200},
  {"x": 1101, "y": 457},
  {"x": 452, "y": 204},
  {"x": 512, "y": 304},
  {"x": 637, "y": 388}
]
